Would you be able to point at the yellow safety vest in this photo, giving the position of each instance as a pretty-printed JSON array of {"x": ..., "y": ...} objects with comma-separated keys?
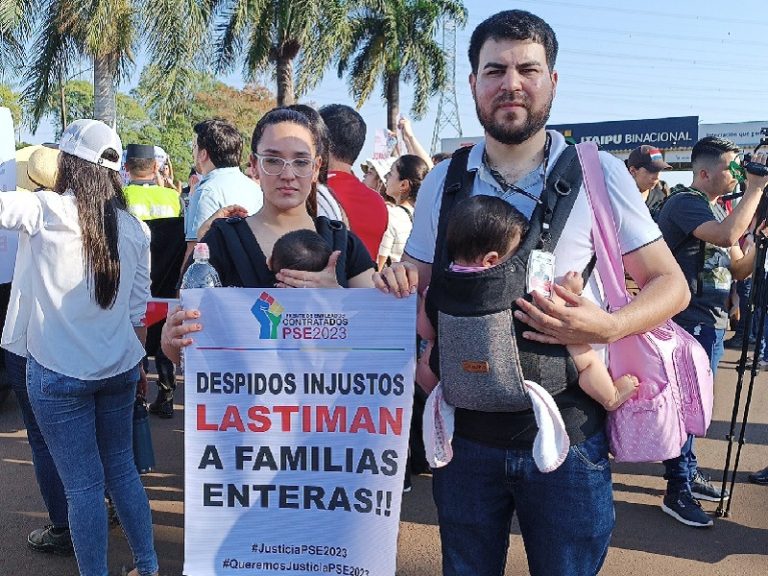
[{"x": 151, "y": 202}]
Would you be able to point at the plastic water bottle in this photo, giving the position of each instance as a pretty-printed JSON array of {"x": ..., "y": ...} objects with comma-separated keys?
[
  {"x": 200, "y": 273},
  {"x": 143, "y": 453}
]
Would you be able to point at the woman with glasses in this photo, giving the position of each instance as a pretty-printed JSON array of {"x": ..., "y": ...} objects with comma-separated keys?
[{"x": 284, "y": 148}]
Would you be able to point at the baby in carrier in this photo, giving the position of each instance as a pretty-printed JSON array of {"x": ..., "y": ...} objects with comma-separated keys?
[{"x": 476, "y": 242}]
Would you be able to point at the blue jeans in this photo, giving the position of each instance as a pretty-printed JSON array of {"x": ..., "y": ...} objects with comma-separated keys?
[
  {"x": 566, "y": 517},
  {"x": 678, "y": 472},
  {"x": 88, "y": 427},
  {"x": 743, "y": 288},
  {"x": 48, "y": 479}
]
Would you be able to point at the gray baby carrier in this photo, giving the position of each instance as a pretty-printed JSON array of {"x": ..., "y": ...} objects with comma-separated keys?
[{"x": 480, "y": 355}]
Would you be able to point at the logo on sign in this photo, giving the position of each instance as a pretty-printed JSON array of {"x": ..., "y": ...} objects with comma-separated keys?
[{"x": 268, "y": 312}]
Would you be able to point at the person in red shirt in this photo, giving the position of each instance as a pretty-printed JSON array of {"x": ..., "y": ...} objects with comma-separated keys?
[{"x": 365, "y": 208}]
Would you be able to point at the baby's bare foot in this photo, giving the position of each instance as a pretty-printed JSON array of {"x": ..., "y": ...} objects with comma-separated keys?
[{"x": 625, "y": 387}]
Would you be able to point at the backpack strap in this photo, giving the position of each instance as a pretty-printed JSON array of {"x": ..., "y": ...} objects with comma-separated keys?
[
  {"x": 410, "y": 214},
  {"x": 458, "y": 185},
  {"x": 336, "y": 234}
]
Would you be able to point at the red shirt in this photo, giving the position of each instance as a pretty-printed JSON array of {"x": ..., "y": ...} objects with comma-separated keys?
[{"x": 365, "y": 209}]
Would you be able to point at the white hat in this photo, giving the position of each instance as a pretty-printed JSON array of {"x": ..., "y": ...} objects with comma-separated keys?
[
  {"x": 88, "y": 139},
  {"x": 381, "y": 166}
]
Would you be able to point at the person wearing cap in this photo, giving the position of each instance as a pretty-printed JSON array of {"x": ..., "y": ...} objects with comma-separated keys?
[
  {"x": 365, "y": 209},
  {"x": 84, "y": 337},
  {"x": 38, "y": 173},
  {"x": 160, "y": 208},
  {"x": 705, "y": 243},
  {"x": 375, "y": 172},
  {"x": 645, "y": 163},
  {"x": 145, "y": 198}
]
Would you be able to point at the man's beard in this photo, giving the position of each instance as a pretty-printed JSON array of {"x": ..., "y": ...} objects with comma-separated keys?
[{"x": 535, "y": 121}]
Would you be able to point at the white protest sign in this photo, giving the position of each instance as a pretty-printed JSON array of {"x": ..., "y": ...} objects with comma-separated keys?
[
  {"x": 297, "y": 413},
  {"x": 8, "y": 240}
]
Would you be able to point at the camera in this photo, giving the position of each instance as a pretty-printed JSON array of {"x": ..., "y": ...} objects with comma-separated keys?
[{"x": 754, "y": 167}]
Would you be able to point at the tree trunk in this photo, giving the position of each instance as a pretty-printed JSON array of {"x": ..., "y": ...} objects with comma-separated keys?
[
  {"x": 285, "y": 92},
  {"x": 63, "y": 102},
  {"x": 393, "y": 99},
  {"x": 104, "y": 90}
]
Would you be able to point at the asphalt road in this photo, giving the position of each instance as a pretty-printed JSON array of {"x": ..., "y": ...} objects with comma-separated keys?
[{"x": 646, "y": 541}]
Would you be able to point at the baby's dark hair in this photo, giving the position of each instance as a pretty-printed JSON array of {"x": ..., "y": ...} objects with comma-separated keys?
[
  {"x": 300, "y": 250},
  {"x": 483, "y": 224}
]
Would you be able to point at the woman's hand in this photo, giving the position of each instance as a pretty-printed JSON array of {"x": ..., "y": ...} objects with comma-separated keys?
[
  {"x": 401, "y": 279},
  {"x": 175, "y": 332},
  {"x": 231, "y": 211},
  {"x": 326, "y": 278}
]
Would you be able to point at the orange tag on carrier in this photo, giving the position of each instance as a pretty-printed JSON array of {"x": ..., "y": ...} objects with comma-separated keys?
[{"x": 476, "y": 367}]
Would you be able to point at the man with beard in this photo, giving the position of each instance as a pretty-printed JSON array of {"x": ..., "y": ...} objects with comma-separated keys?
[{"x": 566, "y": 516}]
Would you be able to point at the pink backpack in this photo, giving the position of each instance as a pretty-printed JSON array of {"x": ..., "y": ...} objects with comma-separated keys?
[{"x": 676, "y": 387}]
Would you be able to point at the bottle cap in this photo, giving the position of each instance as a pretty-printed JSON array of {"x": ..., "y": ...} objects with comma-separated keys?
[{"x": 201, "y": 251}]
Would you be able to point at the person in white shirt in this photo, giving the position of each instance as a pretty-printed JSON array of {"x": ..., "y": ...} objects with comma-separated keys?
[
  {"x": 89, "y": 287},
  {"x": 402, "y": 185}
]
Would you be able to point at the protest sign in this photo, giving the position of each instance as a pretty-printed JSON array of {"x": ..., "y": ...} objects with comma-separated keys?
[
  {"x": 297, "y": 413},
  {"x": 8, "y": 240}
]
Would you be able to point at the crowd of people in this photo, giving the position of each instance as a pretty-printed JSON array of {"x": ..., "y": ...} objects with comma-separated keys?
[{"x": 413, "y": 222}]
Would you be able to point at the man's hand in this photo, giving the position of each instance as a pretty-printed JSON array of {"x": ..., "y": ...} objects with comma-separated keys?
[
  {"x": 753, "y": 180},
  {"x": 573, "y": 320}
]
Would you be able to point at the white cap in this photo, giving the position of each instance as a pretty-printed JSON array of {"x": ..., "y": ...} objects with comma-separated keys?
[
  {"x": 381, "y": 166},
  {"x": 201, "y": 251},
  {"x": 88, "y": 139}
]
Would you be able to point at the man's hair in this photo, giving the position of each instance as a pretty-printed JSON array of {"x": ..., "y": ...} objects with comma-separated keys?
[
  {"x": 300, "y": 250},
  {"x": 513, "y": 25},
  {"x": 221, "y": 140},
  {"x": 440, "y": 156},
  {"x": 141, "y": 165},
  {"x": 483, "y": 224},
  {"x": 709, "y": 149},
  {"x": 346, "y": 131}
]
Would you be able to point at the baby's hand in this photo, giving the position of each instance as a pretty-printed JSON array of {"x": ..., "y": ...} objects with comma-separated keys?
[{"x": 573, "y": 282}]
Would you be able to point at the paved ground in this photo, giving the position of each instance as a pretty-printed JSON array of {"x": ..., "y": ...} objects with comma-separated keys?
[{"x": 645, "y": 541}]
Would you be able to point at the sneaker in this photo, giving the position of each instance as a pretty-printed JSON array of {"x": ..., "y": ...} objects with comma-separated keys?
[
  {"x": 163, "y": 404},
  {"x": 686, "y": 509},
  {"x": 51, "y": 540},
  {"x": 703, "y": 489}
]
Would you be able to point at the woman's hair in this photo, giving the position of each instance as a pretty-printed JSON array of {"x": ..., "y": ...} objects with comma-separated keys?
[
  {"x": 412, "y": 168},
  {"x": 99, "y": 195},
  {"x": 292, "y": 115},
  {"x": 300, "y": 250},
  {"x": 483, "y": 224}
]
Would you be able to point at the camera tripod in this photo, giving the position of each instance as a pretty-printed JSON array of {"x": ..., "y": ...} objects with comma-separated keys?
[{"x": 756, "y": 312}]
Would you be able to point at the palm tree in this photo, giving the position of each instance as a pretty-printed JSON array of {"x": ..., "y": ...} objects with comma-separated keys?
[
  {"x": 394, "y": 40},
  {"x": 14, "y": 28},
  {"x": 106, "y": 32},
  {"x": 276, "y": 33}
]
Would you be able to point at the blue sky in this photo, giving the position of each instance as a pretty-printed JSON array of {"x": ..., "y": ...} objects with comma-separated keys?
[{"x": 651, "y": 60}]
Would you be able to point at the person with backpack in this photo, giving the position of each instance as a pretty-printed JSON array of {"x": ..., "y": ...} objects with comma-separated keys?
[
  {"x": 705, "y": 243},
  {"x": 566, "y": 516},
  {"x": 284, "y": 150}
]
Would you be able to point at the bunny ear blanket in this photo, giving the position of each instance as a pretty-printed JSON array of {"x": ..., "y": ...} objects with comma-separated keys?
[{"x": 550, "y": 447}]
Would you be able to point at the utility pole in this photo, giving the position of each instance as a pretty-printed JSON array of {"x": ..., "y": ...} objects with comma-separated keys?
[{"x": 448, "y": 107}]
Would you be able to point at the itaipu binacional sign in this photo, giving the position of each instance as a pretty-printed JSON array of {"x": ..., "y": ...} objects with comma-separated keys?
[{"x": 664, "y": 133}]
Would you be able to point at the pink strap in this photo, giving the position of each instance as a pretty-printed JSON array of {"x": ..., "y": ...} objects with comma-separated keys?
[{"x": 604, "y": 235}]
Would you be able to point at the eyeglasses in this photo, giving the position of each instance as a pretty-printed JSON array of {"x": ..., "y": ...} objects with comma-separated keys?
[{"x": 274, "y": 165}]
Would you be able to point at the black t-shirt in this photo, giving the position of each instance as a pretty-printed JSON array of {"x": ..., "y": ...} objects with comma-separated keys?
[{"x": 357, "y": 258}]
